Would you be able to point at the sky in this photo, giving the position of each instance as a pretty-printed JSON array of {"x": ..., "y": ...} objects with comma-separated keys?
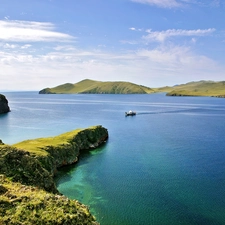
[{"x": 156, "y": 43}]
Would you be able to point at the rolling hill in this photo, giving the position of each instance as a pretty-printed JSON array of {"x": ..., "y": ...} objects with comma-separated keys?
[
  {"x": 200, "y": 88},
  {"x": 98, "y": 87}
]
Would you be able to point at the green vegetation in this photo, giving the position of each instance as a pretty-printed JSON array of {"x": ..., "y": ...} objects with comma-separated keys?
[
  {"x": 20, "y": 204},
  {"x": 163, "y": 89},
  {"x": 33, "y": 163},
  {"x": 40, "y": 146},
  {"x": 201, "y": 88},
  {"x": 98, "y": 87}
]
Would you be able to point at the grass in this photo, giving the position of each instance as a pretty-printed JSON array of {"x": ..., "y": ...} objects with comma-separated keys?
[
  {"x": 37, "y": 146},
  {"x": 21, "y": 204}
]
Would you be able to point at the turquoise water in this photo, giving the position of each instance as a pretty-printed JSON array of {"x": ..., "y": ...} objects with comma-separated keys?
[{"x": 166, "y": 165}]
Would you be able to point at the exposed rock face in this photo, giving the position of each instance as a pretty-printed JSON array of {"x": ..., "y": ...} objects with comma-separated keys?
[
  {"x": 4, "y": 108},
  {"x": 68, "y": 153}
]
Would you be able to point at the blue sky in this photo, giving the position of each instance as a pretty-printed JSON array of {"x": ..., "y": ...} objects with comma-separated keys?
[{"x": 45, "y": 43}]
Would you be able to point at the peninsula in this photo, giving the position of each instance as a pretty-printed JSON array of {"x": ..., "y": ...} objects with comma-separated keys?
[{"x": 28, "y": 194}]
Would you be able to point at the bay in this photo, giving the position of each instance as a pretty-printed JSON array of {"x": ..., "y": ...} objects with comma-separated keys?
[{"x": 166, "y": 165}]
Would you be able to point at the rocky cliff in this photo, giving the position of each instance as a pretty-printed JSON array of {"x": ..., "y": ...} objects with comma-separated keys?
[
  {"x": 34, "y": 162},
  {"x": 4, "y": 108}
]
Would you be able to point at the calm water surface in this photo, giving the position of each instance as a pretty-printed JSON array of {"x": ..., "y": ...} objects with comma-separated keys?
[{"x": 166, "y": 165}]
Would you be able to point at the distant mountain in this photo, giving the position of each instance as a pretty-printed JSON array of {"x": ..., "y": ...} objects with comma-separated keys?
[
  {"x": 200, "y": 88},
  {"x": 98, "y": 87}
]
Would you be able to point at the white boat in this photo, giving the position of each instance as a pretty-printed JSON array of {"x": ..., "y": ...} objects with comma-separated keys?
[{"x": 130, "y": 113}]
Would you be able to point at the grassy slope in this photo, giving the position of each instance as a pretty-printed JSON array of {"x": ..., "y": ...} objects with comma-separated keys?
[
  {"x": 92, "y": 87},
  {"x": 38, "y": 146},
  {"x": 29, "y": 205},
  {"x": 163, "y": 89},
  {"x": 201, "y": 88}
]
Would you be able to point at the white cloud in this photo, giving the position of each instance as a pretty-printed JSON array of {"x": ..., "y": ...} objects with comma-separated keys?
[
  {"x": 135, "y": 29},
  {"x": 9, "y": 46},
  {"x": 25, "y": 46},
  {"x": 193, "y": 40},
  {"x": 158, "y": 67},
  {"x": 161, "y": 36},
  {"x": 130, "y": 42},
  {"x": 161, "y": 3},
  {"x": 26, "y": 31},
  {"x": 180, "y": 3}
]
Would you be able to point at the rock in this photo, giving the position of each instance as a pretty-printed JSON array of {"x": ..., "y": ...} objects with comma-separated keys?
[{"x": 4, "y": 108}]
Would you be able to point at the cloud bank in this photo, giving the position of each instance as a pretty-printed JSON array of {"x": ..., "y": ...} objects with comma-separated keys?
[
  {"x": 162, "y": 64},
  {"x": 26, "y": 31}
]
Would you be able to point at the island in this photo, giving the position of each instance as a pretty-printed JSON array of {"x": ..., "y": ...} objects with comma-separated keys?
[
  {"x": 4, "y": 107},
  {"x": 195, "y": 88},
  {"x": 28, "y": 194},
  {"x": 98, "y": 87}
]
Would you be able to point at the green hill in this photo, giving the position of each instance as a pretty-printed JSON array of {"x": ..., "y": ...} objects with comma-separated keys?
[
  {"x": 98, "y": 87},
  {"x": 200, "y": 88}
]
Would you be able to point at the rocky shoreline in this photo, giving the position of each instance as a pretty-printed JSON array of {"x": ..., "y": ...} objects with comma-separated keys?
[{"x": 32, "y": 165}]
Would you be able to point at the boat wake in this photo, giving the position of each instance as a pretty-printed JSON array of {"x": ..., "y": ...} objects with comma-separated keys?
[{"x": 171, "y": 111}]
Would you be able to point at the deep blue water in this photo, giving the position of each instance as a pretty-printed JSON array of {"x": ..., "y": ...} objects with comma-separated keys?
[{"x": 166, "y": 165}]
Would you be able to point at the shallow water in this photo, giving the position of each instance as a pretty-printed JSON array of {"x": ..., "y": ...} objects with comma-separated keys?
[{"x": 166, "y": 165}]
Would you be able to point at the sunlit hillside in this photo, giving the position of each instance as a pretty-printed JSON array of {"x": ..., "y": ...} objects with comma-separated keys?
[
  {"x": 98, "y": 87},
  {"x": 201, "y": 88}
]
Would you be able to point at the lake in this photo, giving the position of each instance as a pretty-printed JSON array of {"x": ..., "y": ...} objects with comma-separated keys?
[{"x": 166, "y": 165}]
